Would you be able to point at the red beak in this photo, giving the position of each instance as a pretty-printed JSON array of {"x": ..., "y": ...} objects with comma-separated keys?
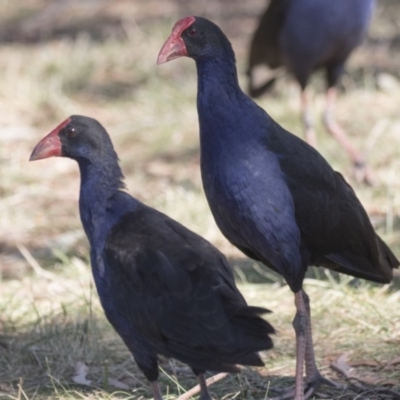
[
  {"x": 50, "y": 145},
  {"x": 175, "y": 47}
]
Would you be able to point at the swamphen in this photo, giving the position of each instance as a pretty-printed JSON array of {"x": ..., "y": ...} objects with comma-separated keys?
[
  {"x": 163, "y": 288},
  {"x": 306, "y": 35},
  {"x": 272, "y": 195}
]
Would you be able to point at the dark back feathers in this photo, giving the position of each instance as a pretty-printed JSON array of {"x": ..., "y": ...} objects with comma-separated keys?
[{"x": 178, "y": 292}]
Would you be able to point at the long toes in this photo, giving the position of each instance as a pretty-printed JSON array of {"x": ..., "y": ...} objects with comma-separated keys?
[
  {"x": 329, "y": 382},
  {"x": 310, "y": 389},
  {"x": 318, "y": 380},
  {"x": 361, "y": 387},
  {"x": 290, "y": 394},
  {"x": 286, "y": 394}
]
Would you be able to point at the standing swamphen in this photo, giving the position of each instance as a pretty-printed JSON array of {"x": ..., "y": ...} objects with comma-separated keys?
[
  {"x": 305, "y": 35},
  {"x": 163, "y": 288},
  {"x": 272, "y": 195}
]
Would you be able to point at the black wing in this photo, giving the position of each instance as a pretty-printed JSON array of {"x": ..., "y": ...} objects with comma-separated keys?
[
  {"x": 333, "y": 223},
  {"x": 178, "y": 291}
]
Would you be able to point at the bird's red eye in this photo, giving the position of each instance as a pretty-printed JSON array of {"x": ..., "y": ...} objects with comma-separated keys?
[
  {"x": 70, "y": 131},
  {"x": 192, "y": 32}
]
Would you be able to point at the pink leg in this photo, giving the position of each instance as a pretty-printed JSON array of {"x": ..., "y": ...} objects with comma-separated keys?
[
  {"x": 312, "y": 372},
  {"x": 313, "y": 376},
  {"x": 300, "y": 326},
  {"x": 309, "y": 131},
  {"x": 304, "y": 354},
  {"x": 361, "y": 171}
]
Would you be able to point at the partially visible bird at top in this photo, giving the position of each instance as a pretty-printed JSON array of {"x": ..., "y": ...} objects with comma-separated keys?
[
  {"x": 271, "y": 194},
  {"x": 163, "y": 288},
  {"x": 306, "y": 35}
]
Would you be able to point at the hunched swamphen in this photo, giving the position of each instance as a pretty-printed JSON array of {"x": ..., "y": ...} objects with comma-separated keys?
[
  {"x": 272, "y": 195},
  {"x": 306, "y": 35},
  {"x": 163, "y": 288}
]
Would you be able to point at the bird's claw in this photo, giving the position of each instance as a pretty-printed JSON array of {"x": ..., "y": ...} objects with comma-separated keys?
[
  {"x": 310, "y": 389},
  {"x": 289, "y": 394},
  {"x": 325, "y": 381}
]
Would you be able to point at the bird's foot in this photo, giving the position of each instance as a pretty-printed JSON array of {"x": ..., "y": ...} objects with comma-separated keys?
[
  {"x": 341, "y": 366},
  {"x": 310, "y": 388},
  {"x": 318, "y": 380},
  {"x": 362, "y": 174},
  {"x": 290, "y": 394}
]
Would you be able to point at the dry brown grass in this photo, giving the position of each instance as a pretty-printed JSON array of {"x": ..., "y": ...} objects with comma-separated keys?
[{"x": 51, "y": 321}]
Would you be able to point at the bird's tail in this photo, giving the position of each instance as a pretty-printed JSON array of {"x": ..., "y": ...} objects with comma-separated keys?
[
  {"x": 253, "y": 335},
  {"x": 254, "y": 331},
  {"x": 387, "y": 260}
]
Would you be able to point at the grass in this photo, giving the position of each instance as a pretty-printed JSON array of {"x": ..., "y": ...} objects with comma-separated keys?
[
  {"x": 51, "y": 325},
  {"x": 50, "y": 320}
]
